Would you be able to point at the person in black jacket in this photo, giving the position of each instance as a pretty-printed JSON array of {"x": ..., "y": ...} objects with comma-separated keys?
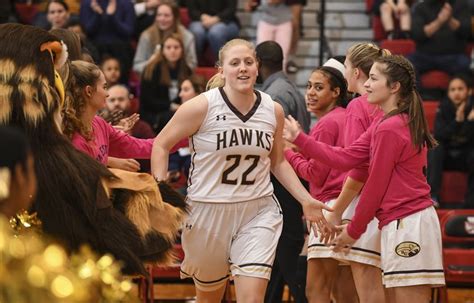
[
  {"x": 214, "y": 22},
  {"x": 454, "y": 130},
  {"x": 441, "y": 29}
]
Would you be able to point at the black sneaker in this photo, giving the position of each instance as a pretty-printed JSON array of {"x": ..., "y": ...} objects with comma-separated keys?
[{"x": 291, "y": 67}]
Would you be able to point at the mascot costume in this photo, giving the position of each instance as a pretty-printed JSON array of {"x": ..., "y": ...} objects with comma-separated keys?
[{"x": 79, "y": 201}]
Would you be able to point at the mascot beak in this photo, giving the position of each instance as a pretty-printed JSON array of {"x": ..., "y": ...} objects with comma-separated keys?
[{"x": 59, "y": 54}]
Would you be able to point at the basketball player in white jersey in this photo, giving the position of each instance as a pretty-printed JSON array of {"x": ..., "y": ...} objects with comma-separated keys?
[{"x": 236, "y": 139}]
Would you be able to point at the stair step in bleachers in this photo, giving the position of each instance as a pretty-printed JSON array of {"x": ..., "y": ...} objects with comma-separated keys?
[{"x": 336, "y": 20}]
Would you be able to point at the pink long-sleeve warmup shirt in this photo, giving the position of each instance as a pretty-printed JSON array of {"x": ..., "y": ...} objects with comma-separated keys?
[
  {"x": 396, "y": 186},
  {"x": 359, "y": 116},
  {"x": 325, "y": 183},
  {"x": 109, "y": 141}
]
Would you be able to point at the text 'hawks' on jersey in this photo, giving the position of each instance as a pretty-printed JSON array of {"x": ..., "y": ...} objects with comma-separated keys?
[
  {"x": 230, "y": 152},
  {"x": 244, "y": 136}
]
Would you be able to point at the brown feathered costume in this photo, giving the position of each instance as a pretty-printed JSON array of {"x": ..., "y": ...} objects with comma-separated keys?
[{"x": 79, "y": 200}]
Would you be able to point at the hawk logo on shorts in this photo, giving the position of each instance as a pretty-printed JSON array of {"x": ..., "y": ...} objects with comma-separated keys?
[{"x": 407, "y": 249}]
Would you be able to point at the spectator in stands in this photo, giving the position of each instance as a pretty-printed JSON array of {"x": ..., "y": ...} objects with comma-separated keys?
[
  {"x": 180, "y": 160},
  {"x": 87, "y": 46},
  {"x": 57, "y": 13},
  {"x": 119, "y": 106},
  {"x": 297, "y": 12},
  {"x": 110, "y": 66},
  {"x": 441, "y": 30},
  {"x": 110, "y": 25},
  {"x": 390, "y": 11},
  {"x": 166, "y": 22},
  {"x": 6, "y": 11},
  {"x": 283, "y": 91},
  {"x": 454, "y": 130},
  {"x": 213, "y": 22},
  {"x": 274, "y": 23},
  {"x": 160, "y": 79},
  {"x": 145, "y": 12},
  {"x": 119, "y": 99}
]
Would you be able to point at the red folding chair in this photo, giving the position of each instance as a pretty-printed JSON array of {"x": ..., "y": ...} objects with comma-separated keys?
[{"x": 457, "y": 228}]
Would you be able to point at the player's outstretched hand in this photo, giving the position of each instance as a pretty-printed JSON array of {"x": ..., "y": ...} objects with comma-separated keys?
[
  {"x": 313, "y": 212},
  {"x": 330, "y": 231},
  {"x": 292, "y": 129},
  {"x": 343, "y": 241}
]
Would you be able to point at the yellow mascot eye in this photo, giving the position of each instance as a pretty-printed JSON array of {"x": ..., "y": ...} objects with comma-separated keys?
[{"x": 58, "y": 83}]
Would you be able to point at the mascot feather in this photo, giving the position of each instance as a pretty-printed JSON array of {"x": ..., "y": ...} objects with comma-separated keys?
[{"x": 79, "y": 200}]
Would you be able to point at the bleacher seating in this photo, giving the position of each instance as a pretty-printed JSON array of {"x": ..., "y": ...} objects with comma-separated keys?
[
  {"x": 399, "y": 46},
  {"x": 457, "y": 229},
  {"x": 26, "y": 12},
  {"x": 184, "y": 16},
  {"x": 206, "y": 72},
  {"x": 430, "y": 107},
  {"x": 435, "y": 79},
  {"x": 453, "y": 187}
]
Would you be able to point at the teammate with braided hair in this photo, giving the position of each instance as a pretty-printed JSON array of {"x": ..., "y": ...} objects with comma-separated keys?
[
  {"x": 364, "y": 256},
  {"x": 396, "y": 190}
]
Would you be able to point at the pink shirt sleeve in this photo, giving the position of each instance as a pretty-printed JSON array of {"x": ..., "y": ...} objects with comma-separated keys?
[
  {"x": 311, "y": 170},
  {"x": 387, "y": 148},
  {"x": 336, "y": 157},
  {"x": 351, "y": 133},
  {"x": 122, "y": 145}
]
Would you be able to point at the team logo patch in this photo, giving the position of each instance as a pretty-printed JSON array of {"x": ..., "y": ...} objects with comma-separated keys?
[{"x": 407, "y": 249}]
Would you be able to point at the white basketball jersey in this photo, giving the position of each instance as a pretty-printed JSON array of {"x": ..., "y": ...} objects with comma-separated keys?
[{"x": 230, "y": 152}]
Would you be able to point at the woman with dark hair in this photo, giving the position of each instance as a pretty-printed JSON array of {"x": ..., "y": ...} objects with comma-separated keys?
[
  {"x": 57, "y": 13},
  {"x": 159, "y": 85},
  {"x": 326, "y": 98},
  {"x": 454, "y": 130}
]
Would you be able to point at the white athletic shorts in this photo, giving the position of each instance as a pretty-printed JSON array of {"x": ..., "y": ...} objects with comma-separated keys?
[
  {"x": 412, "y": 251},
  {"x": 240, "y": 238},
  {"x": 366, "y": 249}
]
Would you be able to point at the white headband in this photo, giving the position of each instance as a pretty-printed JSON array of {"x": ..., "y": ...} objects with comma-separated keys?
[{"x": 335, "y": 64}]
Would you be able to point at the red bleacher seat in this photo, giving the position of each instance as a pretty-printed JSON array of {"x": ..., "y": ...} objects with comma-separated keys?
[
  {"x": 206, "y": 72},
  {"x": 184, "y": 16},
  {"x": 457, "y": 229},
  {"x": 399, "y": 46},
  {"x": 430, "y": 108},
  {"x": 134, "y": 105},
  {"x": 368, "y": 5},
  {"x": 377, "y": 29},
  {"x": 435, "y": 79},
  {"x": 26, "y": 12},
  {"x": 453, "y": 187}
]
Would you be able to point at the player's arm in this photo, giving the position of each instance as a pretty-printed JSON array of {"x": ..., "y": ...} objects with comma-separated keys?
[
  {"x": 184, "y": 123},
  {"x": 282, "y": 170}
]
